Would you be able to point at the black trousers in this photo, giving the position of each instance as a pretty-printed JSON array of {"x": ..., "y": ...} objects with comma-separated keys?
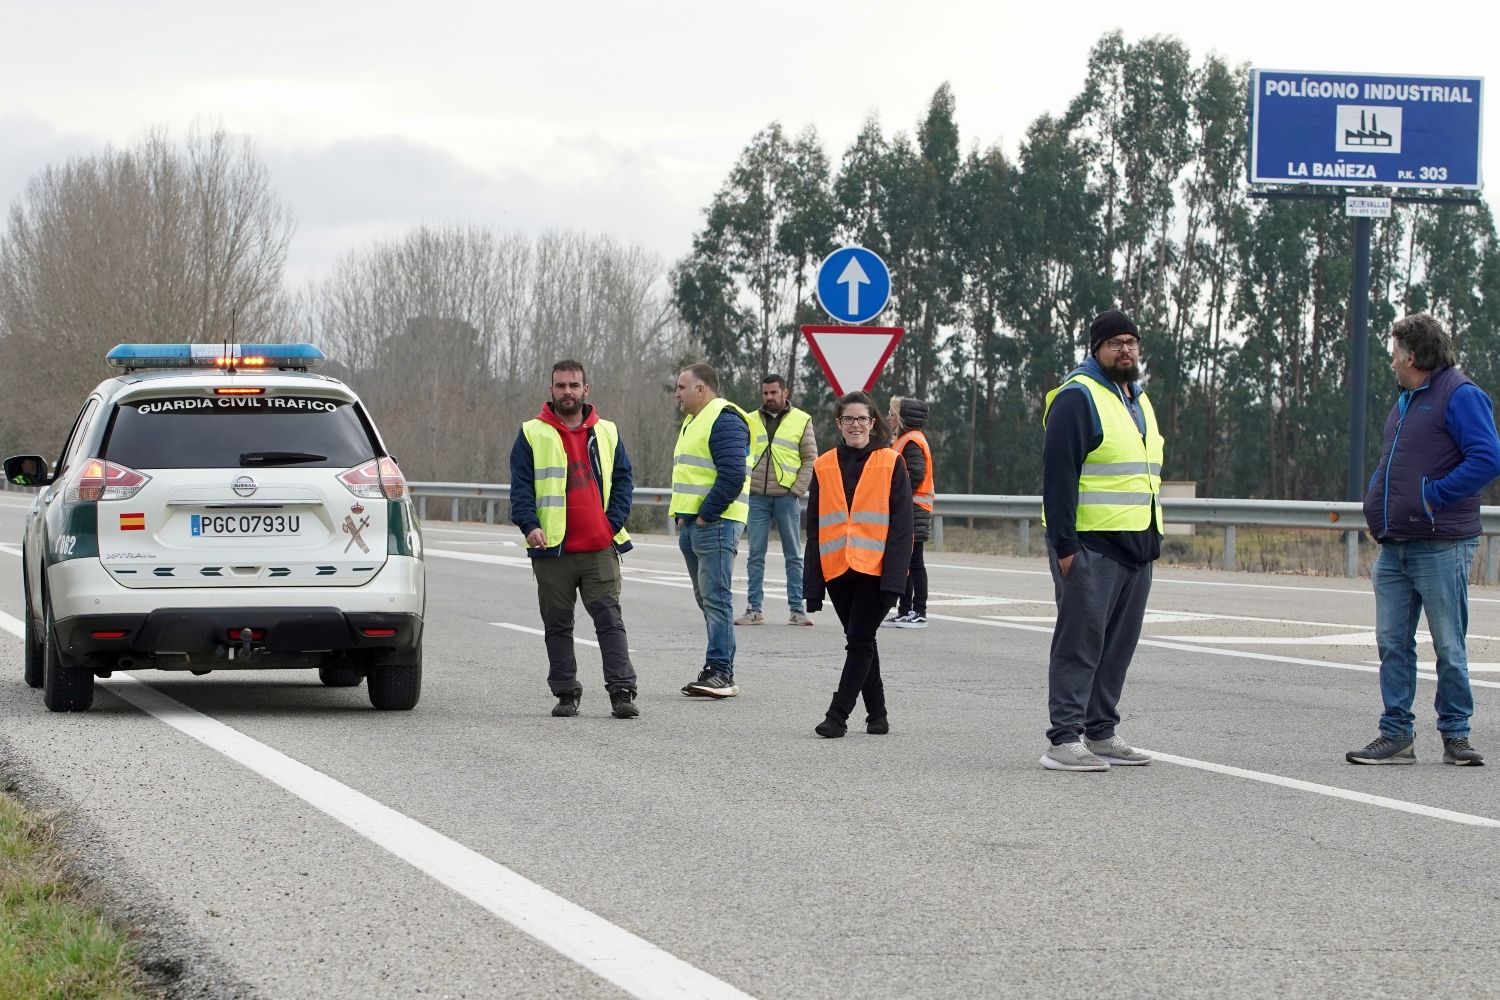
[
  {"x": 861, "y": 608},
  {"x": 915, "y": 598}
]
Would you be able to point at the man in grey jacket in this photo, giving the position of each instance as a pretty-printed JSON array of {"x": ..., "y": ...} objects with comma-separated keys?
[{"x": 782, "y": 451}]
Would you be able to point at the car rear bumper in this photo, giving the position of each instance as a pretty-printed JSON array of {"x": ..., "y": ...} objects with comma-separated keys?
[{"x": 207, "y": 631}]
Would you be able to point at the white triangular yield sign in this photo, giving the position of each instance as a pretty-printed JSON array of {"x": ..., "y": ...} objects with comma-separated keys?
[{"x": 852, "y": 357}]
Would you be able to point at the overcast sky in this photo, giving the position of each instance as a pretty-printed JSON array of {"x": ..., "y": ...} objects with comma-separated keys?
[{"x": 619, "y": 117}]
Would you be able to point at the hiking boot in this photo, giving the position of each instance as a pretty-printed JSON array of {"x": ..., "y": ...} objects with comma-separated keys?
[
  {"x": 752, "y": 616},
  {"x": 1456, "y": 750},
  {"x": 799, "y": 618},
  {"x": 878, "y": 727},
  {"x": 714, "y": 685},
  {"x": 1385, "y": 750},
  {"x": 911, "y": 620},
  {"x": 830, "y": 728},
  {"x": 1072, "y": 757},
  {"x": 690, "y": 688},
  {"x": 622, "y": 704},
  {"x": 1116, "y": 751},
  {"x": 567, "y": 704}
]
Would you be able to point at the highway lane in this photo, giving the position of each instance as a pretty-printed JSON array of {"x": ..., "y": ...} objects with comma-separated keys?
[{"x": 939, "y": 861}]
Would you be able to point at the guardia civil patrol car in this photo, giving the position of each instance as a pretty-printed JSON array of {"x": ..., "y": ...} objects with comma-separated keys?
[{"x": 221, "y": 507}]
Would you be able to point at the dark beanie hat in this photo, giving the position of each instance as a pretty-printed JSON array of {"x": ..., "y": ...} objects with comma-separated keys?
[
  {"x": 913, "y": 412},
  {"x": 1110, "y": 323}
]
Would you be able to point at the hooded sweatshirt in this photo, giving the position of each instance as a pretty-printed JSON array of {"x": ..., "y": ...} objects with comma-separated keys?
[{"x": 589, "y": 528}]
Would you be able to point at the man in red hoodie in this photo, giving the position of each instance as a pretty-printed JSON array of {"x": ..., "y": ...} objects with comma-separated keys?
[{"x": 570, "y": 494}]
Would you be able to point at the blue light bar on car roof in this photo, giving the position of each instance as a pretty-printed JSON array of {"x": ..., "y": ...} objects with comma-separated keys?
[{"x": 238, "y": 356}]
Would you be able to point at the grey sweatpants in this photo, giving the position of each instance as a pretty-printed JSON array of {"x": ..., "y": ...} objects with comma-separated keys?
[{"x": 1099, "y": 610}]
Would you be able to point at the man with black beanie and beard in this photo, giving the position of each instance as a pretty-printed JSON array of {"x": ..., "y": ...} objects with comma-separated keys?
[{"x": 1101, "y": 486}]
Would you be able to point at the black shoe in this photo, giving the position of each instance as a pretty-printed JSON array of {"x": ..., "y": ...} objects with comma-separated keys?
[
  {"x": 1384, "y": 750},
  {"x": 714, "y": 685},
  {"x": 690, "y": 688},
  {"x": 878, "y": 727},
  {"x": 830, "y": 728},
  {"x": 567, "y": 704},
  {"x": 1456, "y": 750},
  {"x": 622, "y": 703}
]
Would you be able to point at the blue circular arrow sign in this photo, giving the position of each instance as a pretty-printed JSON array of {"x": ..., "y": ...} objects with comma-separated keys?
[{"x": 853, "y": 285}]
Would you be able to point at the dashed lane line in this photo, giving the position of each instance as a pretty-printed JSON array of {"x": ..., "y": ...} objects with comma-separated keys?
[{"x": 612, "y": 953}]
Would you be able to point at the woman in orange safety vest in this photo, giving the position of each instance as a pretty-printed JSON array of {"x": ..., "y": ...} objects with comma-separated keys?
[{"x": 859, "y": 538}]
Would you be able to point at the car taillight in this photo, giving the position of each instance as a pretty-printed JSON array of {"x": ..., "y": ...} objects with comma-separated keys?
[
  {"x": 101, "y": 480},
  {"x": 379, "y": 477}
]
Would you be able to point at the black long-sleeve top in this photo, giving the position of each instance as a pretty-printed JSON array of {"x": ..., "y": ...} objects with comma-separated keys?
[{"x": 898, "y": 537}]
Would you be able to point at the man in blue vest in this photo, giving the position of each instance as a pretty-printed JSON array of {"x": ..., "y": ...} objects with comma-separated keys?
[
  {"x": 1422, "y": 506},
  {"x": 1101, "y": 487},
  {"x": 573, "y": 515}
]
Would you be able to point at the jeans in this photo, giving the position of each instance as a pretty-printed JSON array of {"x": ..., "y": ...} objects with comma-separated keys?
[
  {"x": 1411, "y": 576},
  {"x": 785, "y": 512},
  {"x": 708, "y": 550},
  {"x": 915, "y": 598}
]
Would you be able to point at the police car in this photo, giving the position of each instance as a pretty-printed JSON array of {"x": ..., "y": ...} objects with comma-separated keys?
[{"x": 221, "y": 507}]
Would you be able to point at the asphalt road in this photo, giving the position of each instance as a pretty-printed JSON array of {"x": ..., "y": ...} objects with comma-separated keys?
[{"x": 724, "y": 840}]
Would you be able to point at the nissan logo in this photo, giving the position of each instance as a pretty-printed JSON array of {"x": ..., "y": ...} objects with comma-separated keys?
[{"x": 245, "y": 486}]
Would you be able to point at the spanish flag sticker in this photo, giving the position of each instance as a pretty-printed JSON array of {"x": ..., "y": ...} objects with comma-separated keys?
[{"x": 132, "y": 522}]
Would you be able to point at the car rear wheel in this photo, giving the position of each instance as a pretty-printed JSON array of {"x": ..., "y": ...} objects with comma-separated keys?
[
  {"x": 397, "y": 686},
  {"x": 339, "y": 676},
  {"x": 64, "y": 688}
]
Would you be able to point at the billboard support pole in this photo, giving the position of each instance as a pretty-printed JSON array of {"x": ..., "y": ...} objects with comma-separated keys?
[{"x": 1359, "y": 326}]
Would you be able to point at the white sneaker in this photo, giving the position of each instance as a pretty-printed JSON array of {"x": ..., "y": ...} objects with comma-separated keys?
[
  {"x": 1116, "y": 751},
  {"x": 1072, "y": 757}
]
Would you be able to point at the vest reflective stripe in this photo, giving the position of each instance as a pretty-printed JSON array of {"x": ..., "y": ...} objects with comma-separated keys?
[
  {"x": 693, "y": 469},
  {"x": 853, "y": 539},
  {"x": 922, "y": 493},
  {"x": 786, "y": 446},
  {"x": 550, "y": 482},
  {"x": 1119, "y": 487}
]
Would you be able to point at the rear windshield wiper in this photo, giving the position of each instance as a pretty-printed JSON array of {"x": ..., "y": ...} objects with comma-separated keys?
[{"x": 278, "y": 457}]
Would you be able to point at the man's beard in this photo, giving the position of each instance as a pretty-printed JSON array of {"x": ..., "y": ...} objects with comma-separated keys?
[
  {"x": 1121, "y": 376},
  {"x": 568, "y": 408}
]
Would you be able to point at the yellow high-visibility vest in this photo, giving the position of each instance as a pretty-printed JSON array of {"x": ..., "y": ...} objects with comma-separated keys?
[
  {"x": 693, "y": 469},
  {"x": 549, "y": 461},
  {"x": 786, "y": 446},
  {"x": 1120, "y": 484}
]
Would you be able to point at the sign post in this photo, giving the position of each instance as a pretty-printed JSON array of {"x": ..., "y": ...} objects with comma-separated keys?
[
  {"x": 853, "y": 286},
  {"x": 1363, "y": 134}
]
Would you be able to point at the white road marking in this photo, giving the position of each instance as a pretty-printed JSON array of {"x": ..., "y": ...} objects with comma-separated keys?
[
  {"x": 612, "y": 953},
  {"x": 11, "y": 550},
  {"x": 1332, "y": 791},
  {"x": 12, "y": 625},
  {"x": 1343, "y": 639},
  {"x": 1432, "y": 666}
]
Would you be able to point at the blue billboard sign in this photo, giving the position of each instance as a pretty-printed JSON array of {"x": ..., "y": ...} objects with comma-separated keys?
[{"x": 1354, "y": 130}]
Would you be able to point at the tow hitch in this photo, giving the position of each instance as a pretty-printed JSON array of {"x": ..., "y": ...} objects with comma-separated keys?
[{"x": 243, "y": 649}]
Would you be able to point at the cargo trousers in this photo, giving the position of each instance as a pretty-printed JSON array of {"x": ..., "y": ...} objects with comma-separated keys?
[{"x": 595, "y": 578}]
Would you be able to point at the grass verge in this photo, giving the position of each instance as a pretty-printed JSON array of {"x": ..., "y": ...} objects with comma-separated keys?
[{"x": 52, "y": 943}]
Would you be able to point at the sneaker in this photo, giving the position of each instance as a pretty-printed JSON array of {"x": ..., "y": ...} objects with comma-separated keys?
[
  {"x": 830, "y": 728},
  {"x": 691, "y": 688},
  {"x": 891, "y": 619},
  {"x": 911, "y": 620},
  {"x": 1116, "y": 751},
  {"x": 715, "y": 685},
  {"x": 1072, "y": 757},
  {"x": 1456, "y": 750},
  {"x": 752, "y": 616},
  {"x": 1384, "y": 750},
  {"x": 567, "y": 704},
  {"x": 799, "y": 618},
  {"x": 622, "y": 704}
]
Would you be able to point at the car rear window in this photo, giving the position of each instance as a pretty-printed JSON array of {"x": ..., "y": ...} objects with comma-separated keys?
[{"x": 226, "y": 432}]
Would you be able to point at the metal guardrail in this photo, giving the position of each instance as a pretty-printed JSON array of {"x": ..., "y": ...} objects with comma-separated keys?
[{"x": 1217, "y": 512}]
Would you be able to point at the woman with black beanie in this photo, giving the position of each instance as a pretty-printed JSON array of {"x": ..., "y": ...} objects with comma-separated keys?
[{"x": 859, "y": 539}]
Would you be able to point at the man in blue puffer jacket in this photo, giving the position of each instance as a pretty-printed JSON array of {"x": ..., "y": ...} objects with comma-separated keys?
[{"x": 1440, "y": 452}]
